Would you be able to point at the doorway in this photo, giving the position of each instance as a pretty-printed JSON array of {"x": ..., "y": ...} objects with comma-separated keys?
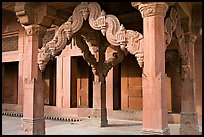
[{"x": 81, "y": 83}]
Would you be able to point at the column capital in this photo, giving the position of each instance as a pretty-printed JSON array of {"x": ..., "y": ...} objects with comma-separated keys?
[
  {"x": 190, "y": 38},
  {"x": 151, "y": 8},
  {"x": 35, "y": 30}
]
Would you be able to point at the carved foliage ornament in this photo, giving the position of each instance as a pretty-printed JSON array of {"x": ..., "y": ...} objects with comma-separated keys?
[
  {"x": 170, "y": 25},
  {"x": 152, "y": 9},
  {"x": 173, "y": 26},
  {"x": 109, "y": 25}
]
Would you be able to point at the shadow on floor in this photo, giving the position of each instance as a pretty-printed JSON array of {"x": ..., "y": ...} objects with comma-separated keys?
[{"x": 124, "y": 125}]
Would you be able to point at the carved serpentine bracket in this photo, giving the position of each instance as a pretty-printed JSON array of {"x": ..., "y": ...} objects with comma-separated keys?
[
  {"x": 173, "y": 27},
  {"x": 116, "y": 34},
  {"x": 170, "y": 25}
]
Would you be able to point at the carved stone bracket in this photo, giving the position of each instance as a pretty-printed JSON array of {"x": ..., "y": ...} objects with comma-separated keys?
[
  {"x": 173, "y": 27},
  {"x": 109, "y": 25},
  {"x": 116, "y": 58},
  {"x": 24, "y": 12},
  {"x": 35, "y": 13},
  {"x": 170, "y": 25},
  {"x": 87, "y": 55}
]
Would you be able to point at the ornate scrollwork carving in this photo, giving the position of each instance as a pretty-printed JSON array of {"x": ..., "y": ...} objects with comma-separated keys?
[
  {"x": 52, "y": 48},
  {"x": 135, "y": 45},
  {"x": 43, "y": 57},
  {"x": 84, "y": 44},
  {"x": 173, "y": 27},
  {"x": 116, "y": 58},
  {"x": 170, "y": 25},
  {"x": 109, "y": 25}
]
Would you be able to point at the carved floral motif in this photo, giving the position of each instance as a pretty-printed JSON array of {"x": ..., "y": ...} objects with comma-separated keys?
[{"x": 152, "y": 9}]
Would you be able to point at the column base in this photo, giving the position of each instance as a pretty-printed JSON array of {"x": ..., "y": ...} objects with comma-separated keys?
[
  {"x": 189, "y": 123},
  {"x": 101, "y": 116},
  {"x": 34, "y": 126},
  {"x": 104, "y": 121},
  {"x": 147, "y": 131}
]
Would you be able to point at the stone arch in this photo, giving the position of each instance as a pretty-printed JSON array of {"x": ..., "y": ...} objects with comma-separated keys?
[{"x": 109, "y": 25}]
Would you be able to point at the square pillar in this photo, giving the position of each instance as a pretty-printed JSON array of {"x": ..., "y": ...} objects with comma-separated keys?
[
  {"x": 154, "y": 79},
  {"x": 109, "y": 91},
  {"x": 96, "y": 96},
  {"x": 20, "y": 66},
  {"x": 189, "y": 116},
  {"x": 66, "y": 72},
  {"x": 59, "y": 82},
  {"x": 33, "y": 122}
]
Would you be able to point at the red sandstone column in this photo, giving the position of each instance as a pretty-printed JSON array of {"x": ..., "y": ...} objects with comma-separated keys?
[
  {"x": 102, "y": 79},
  {"x": 189, "y": 117},
  {"x": 154, "y": 80},
  {"x": 109, "y": 83},
  {"x": 59, "y": 82},
  {"x": 109, "y": 90},
  {"x": 67, "y": 81},
  {"x": 198, "y": 77},
  {"x": 20, "y": 66},
  {"x": 99, "y": 89},
  {"x": 96, "y": 93},
  {"x": 33, "y": 122}
]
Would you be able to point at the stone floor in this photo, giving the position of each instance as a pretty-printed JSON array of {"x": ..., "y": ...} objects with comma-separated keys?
[{"x": 12, "y": 126}]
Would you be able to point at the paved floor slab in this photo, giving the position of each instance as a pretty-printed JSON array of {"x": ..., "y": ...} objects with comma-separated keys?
[{"x": 12, "y": 126}]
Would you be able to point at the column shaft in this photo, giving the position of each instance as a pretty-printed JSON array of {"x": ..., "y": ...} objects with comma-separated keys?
[
  {"x": 154, "y": 81},
  {"x": 33, "y": 121}
]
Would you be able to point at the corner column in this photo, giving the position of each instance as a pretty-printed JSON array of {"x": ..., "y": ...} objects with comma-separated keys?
[
  {"x": 33, "y": 122},
  {"x": 188, "y": 116},
  {"x": 154, "y": 79}
]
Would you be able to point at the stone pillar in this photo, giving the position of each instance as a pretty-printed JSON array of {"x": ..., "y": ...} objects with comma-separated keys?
[
  {"x": 104, "y": 121},
  {"x": 59, "y": 81},
  {"x": 33, "y": 122},
  {"x": 154, "y": 79},
  {"x": 20, "y": 66},
  {"x": 96, "y": 93},
  {"x": 2, "y": 76},
  {"x": 188, "y": 117},
  {"x": 109, "y": 91},
  {"x": 198, "y": 77},
  {"x": 67, "y": 81},
  {"x": 102, "y": 80}
]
